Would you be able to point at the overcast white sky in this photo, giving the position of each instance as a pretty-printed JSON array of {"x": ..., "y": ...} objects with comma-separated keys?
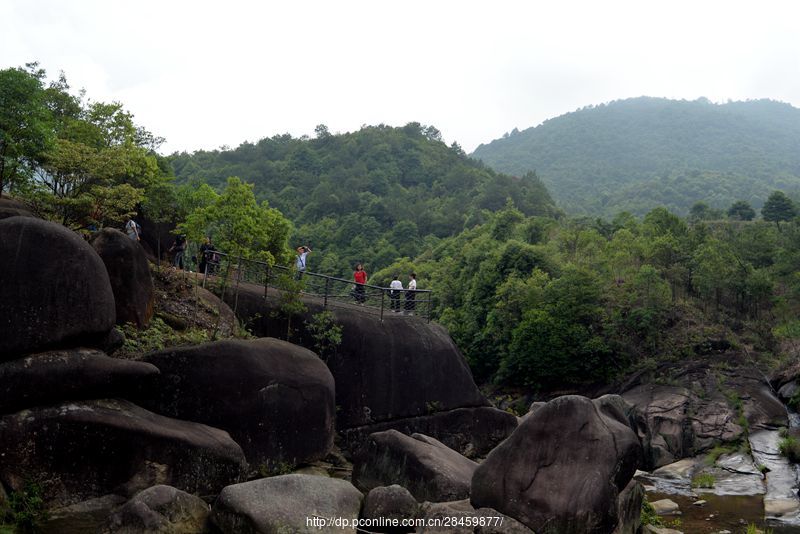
[{"x": 205, "y": 74}]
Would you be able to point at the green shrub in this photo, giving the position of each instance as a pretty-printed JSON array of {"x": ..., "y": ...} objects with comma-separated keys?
[
  {"x": 703, "y": 480},
  {"x": 649, "y": 515},
  {"x": 325, "y": 332},
  {"x": 790, "y": 448},
  {"x": 26, "y": 508}
]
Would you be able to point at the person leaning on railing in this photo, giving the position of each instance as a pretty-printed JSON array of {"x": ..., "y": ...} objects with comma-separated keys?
[{"x": 396, "y": 289}]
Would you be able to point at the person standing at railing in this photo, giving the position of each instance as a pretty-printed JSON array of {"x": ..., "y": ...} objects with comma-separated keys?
[
  {"x": 360, "y": 291},
  {"x": 207, "y": 250},
  {"x": 300, "y": 262},
  {"x": 396, "y": 289},
  {"x": 411, "y": 294}
]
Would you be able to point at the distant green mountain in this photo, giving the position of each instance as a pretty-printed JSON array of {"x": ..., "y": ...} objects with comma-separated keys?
[
  {"x": 373, "y": 195},
  {"x": 640, "y": 153}
]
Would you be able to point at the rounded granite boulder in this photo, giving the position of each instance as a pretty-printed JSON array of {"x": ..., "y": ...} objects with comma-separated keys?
[
  {"x": 129, "y": 274},
  {"x": 54, "y": 289}
]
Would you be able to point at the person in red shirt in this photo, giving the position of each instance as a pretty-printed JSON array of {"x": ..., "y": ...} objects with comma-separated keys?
[{"x": 360, "y": 277}]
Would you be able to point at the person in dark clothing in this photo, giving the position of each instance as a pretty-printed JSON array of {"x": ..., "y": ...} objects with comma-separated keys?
[
  {"x": 207, "y": 250},
  {"x": 178, "y": 247}
]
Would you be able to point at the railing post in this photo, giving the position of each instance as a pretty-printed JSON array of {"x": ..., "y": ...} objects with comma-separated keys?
[
  {"x": 266, "y": 280},
  {"x": 327, "y": 289},
  {"x": 430, "y": 305},
  {"x": 383, "y": 298}
]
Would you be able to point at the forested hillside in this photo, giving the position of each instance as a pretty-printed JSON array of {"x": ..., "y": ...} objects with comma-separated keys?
[
  {"x": 640, "y": 153},
  {"x": 544, "y": 304},
  {"x": 373, "y": 195}
]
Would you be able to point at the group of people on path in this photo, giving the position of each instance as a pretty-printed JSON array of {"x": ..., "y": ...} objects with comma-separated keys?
[
  {"x": 396, "y": 289},
  {"x": 207, "y": 262}
]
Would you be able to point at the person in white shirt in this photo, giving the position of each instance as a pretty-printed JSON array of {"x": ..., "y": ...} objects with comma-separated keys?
[
  {"x": 133, "y": 230},
  {"x": 394, "y": 295},
  {"x": 410, "y": 294},
  {"x": 300, "y": 261}
]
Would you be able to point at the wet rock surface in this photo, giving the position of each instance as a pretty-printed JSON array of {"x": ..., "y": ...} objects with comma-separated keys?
[{"x": 703, "y": 407}]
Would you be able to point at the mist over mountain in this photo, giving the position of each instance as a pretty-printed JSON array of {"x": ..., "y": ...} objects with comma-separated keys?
[{"x": 640, "y": 153}]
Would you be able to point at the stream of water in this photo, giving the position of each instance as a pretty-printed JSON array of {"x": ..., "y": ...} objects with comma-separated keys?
[{"x": 741, "y": 494}]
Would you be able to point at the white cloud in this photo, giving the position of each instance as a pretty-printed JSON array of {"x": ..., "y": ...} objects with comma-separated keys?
[{"x": 204, "y": 74}]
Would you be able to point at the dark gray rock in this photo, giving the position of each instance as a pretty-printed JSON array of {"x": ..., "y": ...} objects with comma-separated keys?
[
  {"x": 285, "y": 504},
  {"x": 629, "y": 508},
  {"x": 426, "y": 467},
  {"x": 75, "y": 374},
  {"x": 384, "y": 370},
  {"x": 54, "y": 289},
  {"x": 461, "y": 517},
  {"x": 403, "y": 372},
  {"x": 788, "y": 390},
  {"x": 10, "y": 207},
  {"x": 160, "y": 510},
  {"x": 129, "y": 273},
  {"x": 80, "y": 518},
  {"x": 562, "y": 470},
  {"x": 79, "y": 450},
  {"x": 276, "y": 399},
  {"x": 471, "y": 431},
  {"x": 394, "y": 503}
]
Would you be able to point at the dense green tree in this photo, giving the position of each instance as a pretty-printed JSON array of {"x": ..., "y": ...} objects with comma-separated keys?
[
  {"x": 741, "y": 211},
  {"x": 778, "y": 208},
  {"x": 700, "y": 211},
  {"x": 26, "y": 132},
  {"x": 240, "y": 226}
]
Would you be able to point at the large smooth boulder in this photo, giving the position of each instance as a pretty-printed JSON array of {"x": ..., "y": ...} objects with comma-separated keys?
[
  {"x": 10, "y": 207},
  {"x": 386, "y": 505},
  {"x": 287, "y": 503},
  {"x": 79, "y": 450},
  {"x": 160, "y": 510},
  {"x": 562, "y": 470},
  {"x": 430, "y": 470},
  {"x": 79, "y": 518},
  {"x": 471, "y": 431},
  {"x": 385, "y": 370},
  {"x": 461, "y": 517},
  {"x": 276, "y": 399},
  {"x": 129, "y": 273},
  {"x": 400, "y": 372},
  {"x": 54, "y": 289},
  {"x": 75, "y": 374}
]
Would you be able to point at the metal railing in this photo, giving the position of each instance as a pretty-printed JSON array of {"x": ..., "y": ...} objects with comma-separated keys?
[{"x": 231, "y": 273}]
